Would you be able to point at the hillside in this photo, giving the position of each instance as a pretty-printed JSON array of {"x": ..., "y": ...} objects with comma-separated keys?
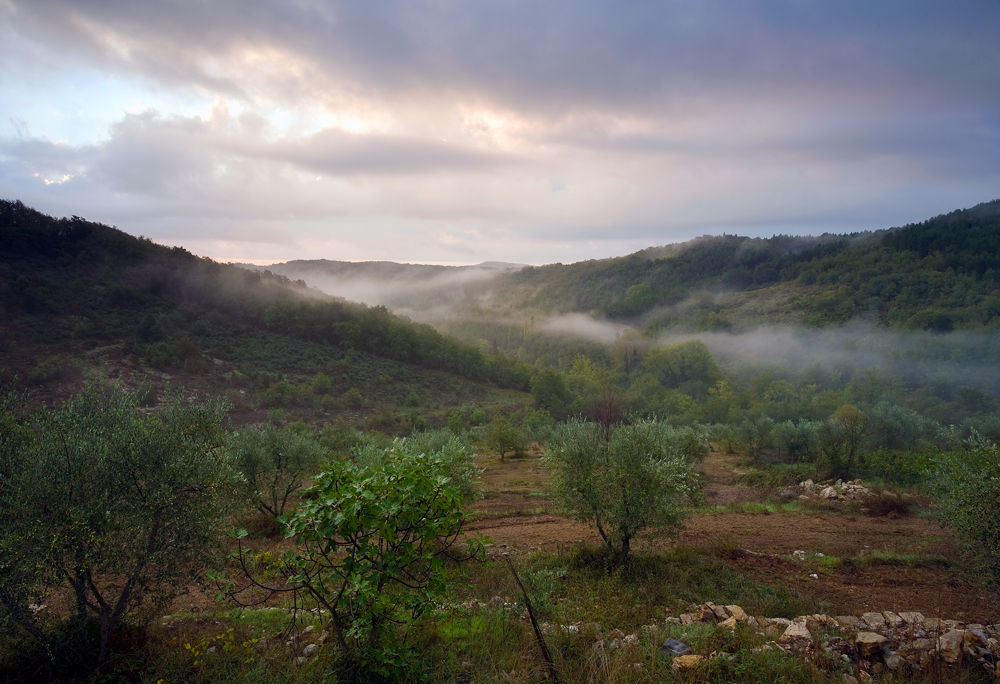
[
  {"x": 938, "y": 275},
  {"x": 82, "y": 301}
]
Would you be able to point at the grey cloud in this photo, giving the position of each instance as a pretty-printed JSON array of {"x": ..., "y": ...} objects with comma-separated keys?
[
  {"x": 338, "y": 152},
  {"x": 560, "y": 55}
]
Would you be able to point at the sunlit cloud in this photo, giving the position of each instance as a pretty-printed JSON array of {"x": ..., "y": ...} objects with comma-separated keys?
[{"x": 523, "y": 132}]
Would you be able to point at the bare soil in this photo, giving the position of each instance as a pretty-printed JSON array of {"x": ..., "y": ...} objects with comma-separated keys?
[{"x": 920, "y": 573}]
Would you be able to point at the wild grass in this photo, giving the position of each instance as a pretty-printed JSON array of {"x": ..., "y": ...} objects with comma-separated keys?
[{"x": 481, "y": 635}]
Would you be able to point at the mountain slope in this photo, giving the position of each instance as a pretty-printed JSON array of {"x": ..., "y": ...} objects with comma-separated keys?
[{"x": 72, "y": 292}]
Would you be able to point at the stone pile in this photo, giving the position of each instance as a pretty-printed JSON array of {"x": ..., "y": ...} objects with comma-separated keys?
[
  {"x": 856, "y": 648},
  {"x": 870, "y": 644},
  {"x": 853, "y": 490}
]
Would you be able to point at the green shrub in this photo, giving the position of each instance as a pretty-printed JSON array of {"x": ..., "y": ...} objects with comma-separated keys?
[
  {"x": 352, "y": 398},
  {"x": 370, "y": 549},
  {"x": 969, "y": 486}
]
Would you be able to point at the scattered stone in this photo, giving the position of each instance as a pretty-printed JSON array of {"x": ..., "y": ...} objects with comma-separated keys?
[
  {"x": 912, "y": 618},
  {"x": 737, "y": 613},
  {"x": 614, "y": 644},
  {"x": 828, "y": 493},
  {"x": 719, "y": 611},
  {"x": 869, "y": 643},
  {"x": 874, "y": 621},
  {"x": 690, "y": 618},
  {"x": 309, "y": 650},
  {"x": 730, "y": 623},
  {"x": 848, "y": 622},
  {"x": 848, "y": 679},
  {"x": 892, "y": 661},
  {"x": 975, "y": 638},
  {"x": 676, "y": 647},
  {"x": 308, "y": 630},
  {"x": 686, "y": 662},
  {"x": 950, "y": 644},
  {"x": 892, "y": 619},
  {"x": 796, "y": 633}
]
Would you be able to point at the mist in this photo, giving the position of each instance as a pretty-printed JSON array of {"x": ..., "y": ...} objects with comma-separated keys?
[
  {"x": 421, "y": 292},
  {"x": 583, "y": 326}
]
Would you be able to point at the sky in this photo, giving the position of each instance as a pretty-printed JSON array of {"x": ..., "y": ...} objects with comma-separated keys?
[{"x": 456, "y": 132}]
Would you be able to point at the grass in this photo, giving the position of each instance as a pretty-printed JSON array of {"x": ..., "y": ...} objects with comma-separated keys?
[
  {"x": 480, "y": 634},
  {"x": 754, "y": 507}
]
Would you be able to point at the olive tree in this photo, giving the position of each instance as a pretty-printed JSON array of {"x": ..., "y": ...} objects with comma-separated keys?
[
  {"x": 637, "y": 481},
  {"x": 273, "y": 464},
  {"x": 107, "y": 504},
  {"x": 502, "y": 437}
]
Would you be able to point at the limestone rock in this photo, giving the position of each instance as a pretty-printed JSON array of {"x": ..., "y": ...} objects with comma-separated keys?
[
  {"x": 686, "y": 662},
  {"x": 875, "y": 621},
  {"x": 869, "y": 643},
  {"x": 935, "y": 625},
  {"x": 796, "y": 633},
  {"x": 737, "y": 613},
  {"x": 975, "y": 638},
  {"x": 892, "y": 619},
  {"x": 912, "y": 618},
  {"x": 950, "y": 644},
  {"x": 892, "y": 661},
  {"x": 309, "y": 650},
  {"x": 730, "y": 623},
  {"x": 828, "y": 493},
  {"x": 848, "y": 622},
  {"x": 719, "y": 611}
]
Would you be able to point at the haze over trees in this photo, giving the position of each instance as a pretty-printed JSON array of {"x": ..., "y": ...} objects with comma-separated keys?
[{"x": 188, "y": 395}]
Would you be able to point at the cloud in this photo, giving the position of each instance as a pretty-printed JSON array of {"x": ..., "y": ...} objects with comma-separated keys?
[{"x": 526, "y": 131}]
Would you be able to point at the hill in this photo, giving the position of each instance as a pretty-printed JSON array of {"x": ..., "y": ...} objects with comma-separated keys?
[
  {"x": 937, "y": 275},
  {"x": 83, "y": 301}
]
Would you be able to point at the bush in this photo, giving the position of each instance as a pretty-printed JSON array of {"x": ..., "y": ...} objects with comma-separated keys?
[
  {"x": 969, "y": 486},
  {"x": 370, "y": 546},
  {"x": 352, "y": 398},
  {"x": 107, "y": 505},
  {"x": 634, "y": 481}
]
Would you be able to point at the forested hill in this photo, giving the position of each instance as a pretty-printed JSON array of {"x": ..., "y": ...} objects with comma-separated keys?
[
  {"x": 938, "y": 275},
  {"x": 70, "y": 280}
]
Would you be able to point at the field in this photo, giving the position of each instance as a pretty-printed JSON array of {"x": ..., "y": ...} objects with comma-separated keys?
[{"x": 897, "y": 563}]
